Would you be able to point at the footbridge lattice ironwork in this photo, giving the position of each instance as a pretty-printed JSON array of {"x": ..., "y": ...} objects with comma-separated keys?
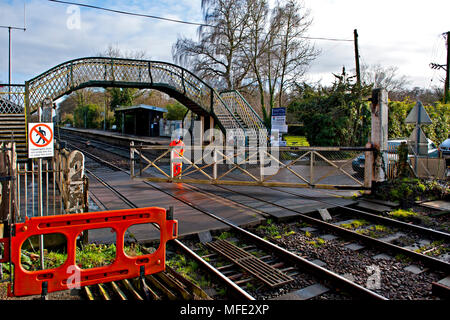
[
  {"x": 171, "y": 79},
  {"x": 174, "y": 80}
]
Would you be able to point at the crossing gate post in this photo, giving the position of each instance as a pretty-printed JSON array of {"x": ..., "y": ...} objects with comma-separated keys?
[
  {"x": 379, "y": 134},
  {"x": 132, "y": 159},
  {"x": 25, "y": 282},
  {"x": 368, "y": 167},
  {"x": 172, "y": 171}
]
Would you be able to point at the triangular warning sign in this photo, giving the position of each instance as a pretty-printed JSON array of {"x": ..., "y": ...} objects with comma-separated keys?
[
  {"x": 418, "y": 114},
  {"x": 421, "y": 147},
  {"x": 422, "y": 136}
]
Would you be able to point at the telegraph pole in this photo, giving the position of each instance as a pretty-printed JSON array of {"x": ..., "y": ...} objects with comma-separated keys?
[
  {"x": 9, "y": 52},
  {"x": 358, "y": 71},
  {"x": 445, "y": 68},
  {"x": 447, "y": 76}
]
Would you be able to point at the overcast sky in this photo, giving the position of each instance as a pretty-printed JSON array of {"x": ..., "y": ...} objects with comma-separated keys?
[{"x": 402, "y": 33}]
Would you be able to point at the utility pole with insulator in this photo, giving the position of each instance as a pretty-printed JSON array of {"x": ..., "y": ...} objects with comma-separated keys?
[
  {"x": 9, "y": 47},
  {"x": 9, "y": 51},
  {"x": 447, "y": 74},
  {"x": 358, "y": 71}
]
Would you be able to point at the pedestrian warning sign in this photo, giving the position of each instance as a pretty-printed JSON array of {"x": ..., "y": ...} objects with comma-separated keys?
[{"x": 40, "y": 140}]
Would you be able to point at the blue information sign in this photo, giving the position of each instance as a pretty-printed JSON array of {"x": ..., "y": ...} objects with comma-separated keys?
[{"x": 278, "y": 112}]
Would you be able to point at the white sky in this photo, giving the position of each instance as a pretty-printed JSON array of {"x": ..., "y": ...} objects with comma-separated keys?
[
  {"x": 402, "y": 33},
  {"x": 405, "y": 34}
]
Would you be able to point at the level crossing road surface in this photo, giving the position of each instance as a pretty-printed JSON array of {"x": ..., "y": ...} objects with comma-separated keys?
[{"x": 234, "y": 207}]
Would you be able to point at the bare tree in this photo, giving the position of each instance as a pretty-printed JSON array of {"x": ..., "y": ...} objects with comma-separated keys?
[
  {"x": 122, "y": 96},
  {"x": 246, "y": 46},
  {"x": 276, "y": 50},
  {"x": 385, "y": 77},
  {"x": 114, "y": 51},
  {"x": 256, "y": 46},
  {"x": 295, "y": 53},
  {"x": 215, "y": 57}
]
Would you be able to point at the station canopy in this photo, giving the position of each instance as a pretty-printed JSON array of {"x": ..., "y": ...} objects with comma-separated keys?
[{"x": 140, "y": 106}]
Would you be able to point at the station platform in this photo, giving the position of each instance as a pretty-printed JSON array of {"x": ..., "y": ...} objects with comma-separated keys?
[{"x": 116, "y": 137}]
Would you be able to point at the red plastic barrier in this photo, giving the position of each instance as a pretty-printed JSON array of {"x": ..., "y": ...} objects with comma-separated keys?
[{"x": 69, "y": 275}]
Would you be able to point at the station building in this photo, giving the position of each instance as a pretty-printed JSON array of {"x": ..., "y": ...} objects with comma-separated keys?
[{"x": 141, "y": 120}]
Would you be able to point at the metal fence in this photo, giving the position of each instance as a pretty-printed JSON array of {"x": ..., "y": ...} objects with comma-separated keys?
[
  {"x": 319, "y": 167},
  {"x": 28, "y": 182},
  {"x": 50, "y": 186},
  {"x": 428, "y": 167},
  {"x": 12, "y": 98}
]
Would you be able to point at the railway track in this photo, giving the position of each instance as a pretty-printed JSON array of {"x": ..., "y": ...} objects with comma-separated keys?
[
  {"x": 335, "y": 226},
  {"x": 402, "y": 232},
  {"x": 341, "y": 224},
  {"x": 168, "y": 285}
]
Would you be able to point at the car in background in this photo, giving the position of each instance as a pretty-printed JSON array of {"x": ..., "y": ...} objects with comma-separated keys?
[
  {"x": 433, "y": 151},
  {"x": 444, "y": 148},
  {"x": 358, "y": 162}
]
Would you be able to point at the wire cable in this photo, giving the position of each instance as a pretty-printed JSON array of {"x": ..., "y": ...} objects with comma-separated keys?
[
  {"x": 175, "y": 20},
  {"x": 131, "y": 13}
]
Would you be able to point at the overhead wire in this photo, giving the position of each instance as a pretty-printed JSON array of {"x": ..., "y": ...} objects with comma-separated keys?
[
  {"x": 175, "y": 20},
  {"x": 130, "y": 13},
  {"x": 436, "y": 54}
]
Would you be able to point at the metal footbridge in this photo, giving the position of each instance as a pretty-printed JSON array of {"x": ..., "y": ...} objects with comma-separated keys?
[{"x": 17, "y": 102}]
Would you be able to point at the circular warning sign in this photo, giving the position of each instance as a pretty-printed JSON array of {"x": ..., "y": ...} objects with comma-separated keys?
[{"x": 41, "y": 135}]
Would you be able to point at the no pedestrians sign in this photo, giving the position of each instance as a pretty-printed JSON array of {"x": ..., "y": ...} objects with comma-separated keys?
[{"x": 40, "y": 140}]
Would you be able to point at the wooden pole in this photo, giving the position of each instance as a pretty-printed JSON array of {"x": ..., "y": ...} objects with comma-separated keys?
[
  {"x": 4, "y": 191},
  {"x": 379, "y": 133},
  {"x": 211, "y": 128},
  {"x": 368, "y": 167},
  {"x": 447, "y": 77},
  {"x": 358, "y": 71}
]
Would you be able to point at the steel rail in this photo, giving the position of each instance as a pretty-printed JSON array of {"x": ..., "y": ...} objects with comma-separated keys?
[
  {"x": 385, "y": 220},
  {"x": 372, "y": 241},
  {"x": 230, "y": 284}
]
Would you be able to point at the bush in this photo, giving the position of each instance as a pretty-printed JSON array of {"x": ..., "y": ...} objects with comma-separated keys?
[
  {"x": 406, "y": 191},
  {"x": 437, "y": 131},
  {"x": 336, "y": 116},
  {"x": 67, "y": 119},
  {"x": 175, "y": 111},
  {"x": 88, "y": 116}
]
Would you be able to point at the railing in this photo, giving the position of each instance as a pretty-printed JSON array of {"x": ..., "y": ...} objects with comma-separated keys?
[
  {"x": 83, "y": 72},
  {"x": 318, "y": 167},
  {"x": 12, "y": 98},
  {"x": 60, "y": 182},
  {"x": 238, "y": 104},
  {"x": 105, "y": 72},
  {"x": 428, "y": 167}
]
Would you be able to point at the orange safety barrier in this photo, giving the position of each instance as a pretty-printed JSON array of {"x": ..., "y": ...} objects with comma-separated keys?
[{"x": 69, "y": 275}]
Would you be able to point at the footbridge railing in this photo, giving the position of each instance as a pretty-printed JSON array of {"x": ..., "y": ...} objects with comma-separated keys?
[{"x": 118, "y": 72}]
